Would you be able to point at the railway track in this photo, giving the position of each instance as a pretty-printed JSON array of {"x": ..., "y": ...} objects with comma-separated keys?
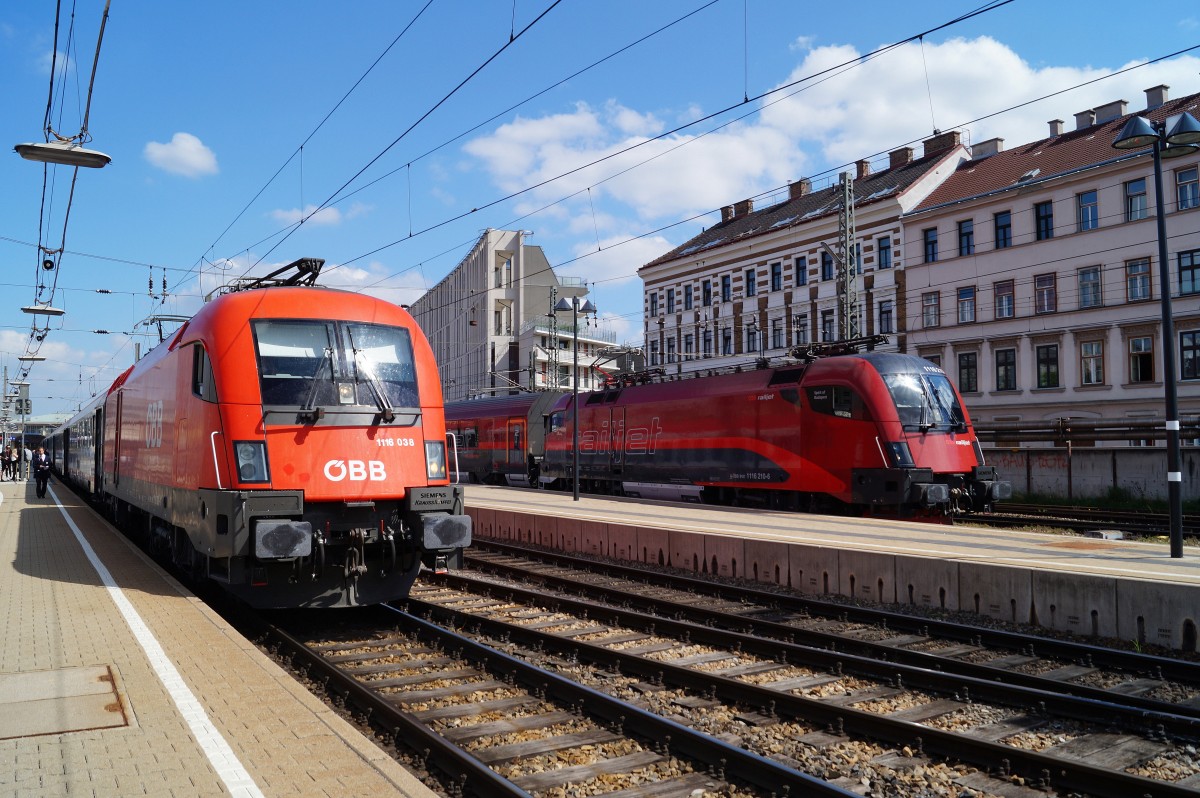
[
  {"x": 1083, "y": 519},
  {"x": 535, "y": 673}
]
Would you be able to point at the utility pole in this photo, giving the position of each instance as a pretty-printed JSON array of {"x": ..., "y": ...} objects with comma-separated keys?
[
  {"x": 552, "y": 365},
  {"x": 847, "y": 282}
]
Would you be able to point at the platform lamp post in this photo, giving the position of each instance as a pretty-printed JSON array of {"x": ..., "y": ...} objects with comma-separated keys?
[
  {"x": 575, "y": 308},
  {"x": 22, "y": 408},
  {"x": 1184, "y": 134}
]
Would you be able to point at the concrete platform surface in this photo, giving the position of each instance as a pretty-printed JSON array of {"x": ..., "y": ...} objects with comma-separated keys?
[{"x": 117, "y": 681}]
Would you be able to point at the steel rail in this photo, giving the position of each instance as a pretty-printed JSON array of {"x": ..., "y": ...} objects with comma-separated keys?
[
  {"x": 1162, "y": 667},
  {"x": 1045, "y": 770}
]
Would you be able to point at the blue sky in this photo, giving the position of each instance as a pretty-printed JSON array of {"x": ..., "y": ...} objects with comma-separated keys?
[{"x": 201, "y": 104}]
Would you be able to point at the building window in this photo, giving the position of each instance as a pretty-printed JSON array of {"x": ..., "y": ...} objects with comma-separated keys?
[
  {"x": 1043, "y": 219},
  {"x": 687, "y": 297},
  {"x": 1189, "y": 355},
  {"x": 706, "y": 293},
  {"x": 1091, "y": 355},
  {"x": 654, "y": 353},
  {"x": 654, "y": 304},
  {"x": 929, "y": 236},
  {"x": 826, "y": 266},
  {"x": 1006, "y": 369},
  {"x": 1005, "y": 302},
  {"x": 1047, "y": 366},
  {"x": 1090, "y": 295},
  {"x": 966, "y": 237},
  {"x": 1141, "y": 359},
  {"x": 1045, "y": 292},
  {"x": 800, "y": 328},
  {"x": 726, "y": 287},
  {"x": 966, "y": 305},
  {"x": 670, "y": 300},
  {"x": 858, "y": 257},
  {"x": 1003, "y": 222},
  {"x": 1135, "y": 200},
  {"x": 886, "y": 323},
  {"x": 801, "y": 266},
  {"x": 689, "y": 346},
  {"x": 777, "y": 334},
  {"x": 1187, "y": 189},
  {"x": 930, "y": 309},
  {"x": 934, "y": 359},
  {"x": 751, "y": 282},
  {"x": 726, "y": 341},
  {"x": 708, "y": 341},
  {"x": 777, "y": 276},
  {"x": 828, "y": 326},
  {"x": 671, "y": 349},
  {"x": 1089, "y": 210},
  {"x": 751, "y": 338},
  {"x": 968, "y": 372},
  {"x": 1137, "y": 280},
  {"x": 1189, "y": 271},
  {"x": 884, "y": 245}
]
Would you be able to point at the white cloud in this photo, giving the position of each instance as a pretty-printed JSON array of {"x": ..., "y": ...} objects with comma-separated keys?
[
  {"x": 309, "y": 215},
  {"x": 183, "y": 155},
  {"x": 802, "y": 43},
  {"x": 60, "y": 61}
]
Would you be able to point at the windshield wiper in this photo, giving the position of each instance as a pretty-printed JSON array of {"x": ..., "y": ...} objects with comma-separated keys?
[
  {"x": 381, "y": 400},
  {"x": 309, "y": 409}
]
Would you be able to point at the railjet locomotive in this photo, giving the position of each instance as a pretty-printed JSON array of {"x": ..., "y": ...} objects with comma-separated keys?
[
  {"x": 869, "y": 432},
  {"x": 288, "y": 442}
]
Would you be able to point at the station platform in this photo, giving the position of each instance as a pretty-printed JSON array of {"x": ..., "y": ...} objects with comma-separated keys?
[
  {"x": 1091, "y": 587},
  {"x": 117, "y": 681}
]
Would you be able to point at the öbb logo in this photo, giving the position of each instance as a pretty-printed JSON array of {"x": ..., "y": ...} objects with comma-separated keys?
[{"x": 355, "y": 470}]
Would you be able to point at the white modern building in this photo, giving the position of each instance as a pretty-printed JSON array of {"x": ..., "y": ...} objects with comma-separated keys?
[{"x": 490, "y": 327}]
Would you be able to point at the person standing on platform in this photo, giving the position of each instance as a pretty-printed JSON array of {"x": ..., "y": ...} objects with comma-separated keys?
[
  {"x": 6, "y": 463},
  {"x": 14, "y": 463},
  {"x": 41, "y": 471}
]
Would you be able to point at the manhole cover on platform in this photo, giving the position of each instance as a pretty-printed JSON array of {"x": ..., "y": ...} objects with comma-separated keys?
[{"x": 59, "y": 701}]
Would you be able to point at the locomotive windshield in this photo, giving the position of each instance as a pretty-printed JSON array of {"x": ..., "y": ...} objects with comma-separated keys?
[
  {"x": 329, "y": 363},
  {"x": 925, "y": 401}
]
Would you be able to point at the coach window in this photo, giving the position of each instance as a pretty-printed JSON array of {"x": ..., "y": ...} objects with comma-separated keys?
[
  {"x": 836, "y": 400},
  {"x": 203, "y": 384}
]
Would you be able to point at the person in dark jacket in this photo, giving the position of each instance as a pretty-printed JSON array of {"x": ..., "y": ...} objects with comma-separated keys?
[{"x": 41, "y": 471}]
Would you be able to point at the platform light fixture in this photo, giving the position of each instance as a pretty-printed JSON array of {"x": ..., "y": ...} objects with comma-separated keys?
[
  {"x": 575, "y": 308},
  {"x": 1181, "y": 139},
  {"x": 65, "y": 153},
  {"x": 43, "y": 310}
]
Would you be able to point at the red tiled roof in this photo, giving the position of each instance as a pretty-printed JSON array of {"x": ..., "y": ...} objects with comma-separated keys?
[
  {"x": 1056, "y": 155},
  {"x": 867, "y": 190}
]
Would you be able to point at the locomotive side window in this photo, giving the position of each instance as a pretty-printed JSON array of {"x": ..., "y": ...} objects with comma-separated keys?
[
  {"x": 837, "y": 400},
  {"x": 203, "y": 384},
  {"x": 556, "y": 421}
]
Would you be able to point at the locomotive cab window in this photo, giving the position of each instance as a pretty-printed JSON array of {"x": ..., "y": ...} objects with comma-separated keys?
[
  {"x": 837, "y": 400},
  {"x": 926, "y": 401},
  {"x": 203, "y": 384},
  {"x": 554, "y": 421},
  {"x": 313, "y": 364}
]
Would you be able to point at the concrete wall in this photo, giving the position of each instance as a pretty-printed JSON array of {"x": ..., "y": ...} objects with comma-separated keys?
[
  {"x": 1086, "y": 473},
  {"x": 1084, "y": 604}
]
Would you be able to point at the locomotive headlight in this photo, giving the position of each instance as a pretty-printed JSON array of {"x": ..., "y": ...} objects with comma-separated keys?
[
  {"x": 435, "y": 459},
  {"x": 346, "y": 393},
  {"x": 901, "y": 455},
  {"x": 251, "y": 461}
]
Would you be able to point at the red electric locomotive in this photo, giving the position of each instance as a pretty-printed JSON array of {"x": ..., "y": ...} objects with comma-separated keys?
[
  {"x": 864, "y": 432},
  {"x": 288, "y": 442}
]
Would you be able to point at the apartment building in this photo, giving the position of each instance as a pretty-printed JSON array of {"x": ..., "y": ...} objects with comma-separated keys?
[
  {"x": 762, "y": 281},
  {"x": 489, "y": 324},
  {"x": 1033, "y": 273}
]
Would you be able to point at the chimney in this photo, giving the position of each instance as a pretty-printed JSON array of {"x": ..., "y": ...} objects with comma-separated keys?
[
  {"x": 726, "y": 213},
  {"x": 862, "y": 169},
  {"x": 941, "y": 142},
  {"x": 985, "y": 148},
  {"x": 1085, "y": 119},
  {"x": 900, "y": 157},
  {"x": 799, "y": 188},
  {"x": 1111, "y": 111},
  {"x": 1156, "y": 96},
  {"x": 1056, "y": 127},
  {"x": 743, "y": 208}
]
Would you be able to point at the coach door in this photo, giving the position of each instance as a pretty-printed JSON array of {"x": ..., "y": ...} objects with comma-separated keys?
[
  {"x": 516, "y": 446},
  {"x": 616, "y": 438},
  {"x": 117, "y": 439},
  {"x": 97, "y": 432}
]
